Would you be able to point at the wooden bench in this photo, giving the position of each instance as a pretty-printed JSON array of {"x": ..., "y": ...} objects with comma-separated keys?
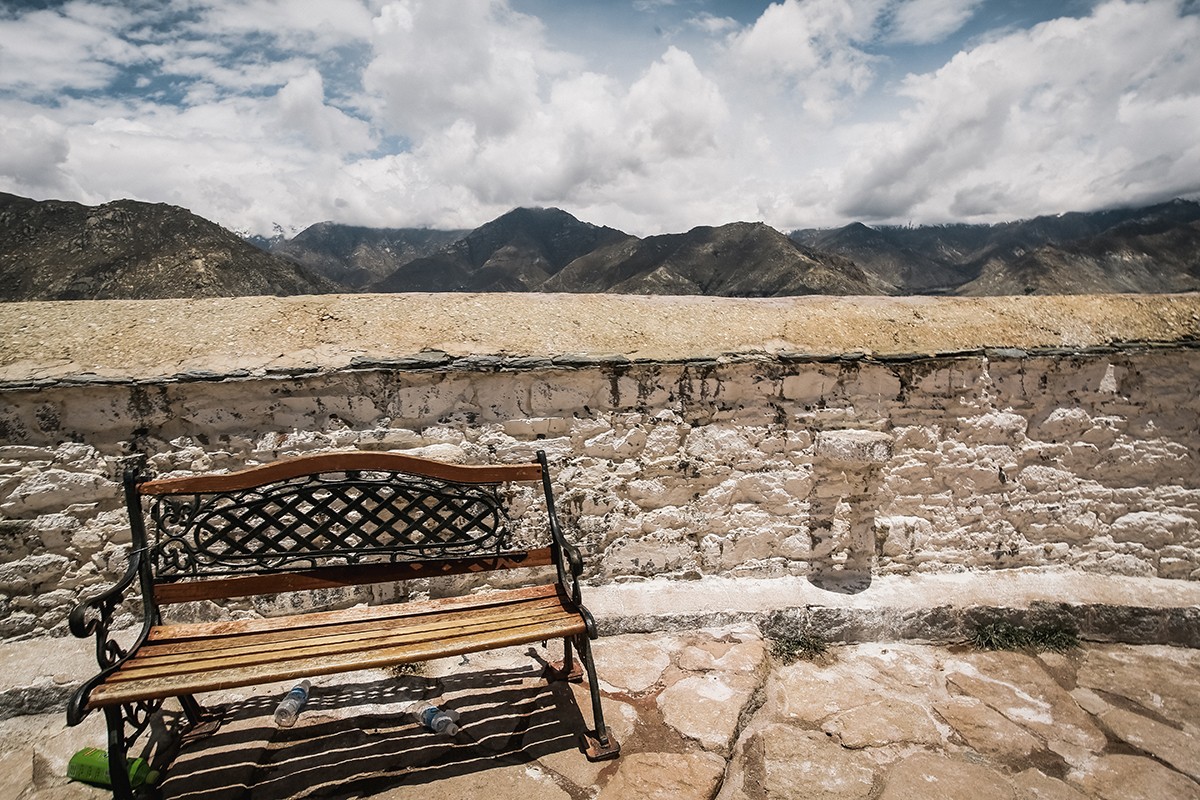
[{"x": 316, "y": 522}]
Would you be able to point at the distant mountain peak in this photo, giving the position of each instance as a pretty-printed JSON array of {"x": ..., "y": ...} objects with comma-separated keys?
[
  {"x": 130, "y": 249},
  {"x": 127, "y": 249}
]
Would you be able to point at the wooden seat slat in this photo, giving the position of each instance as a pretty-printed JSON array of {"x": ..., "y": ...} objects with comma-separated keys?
[
  {"x": 302, "y": 642},
  {"x": 183, "y": 650},
  {"x": 113, "y": 693},
  {"x": 206, "y": 631}
]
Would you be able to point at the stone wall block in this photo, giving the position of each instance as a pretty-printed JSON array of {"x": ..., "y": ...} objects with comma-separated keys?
[
  {"x": 1155, "y": 529},
  {"x": 811, "y": 386},
  {"x": 722, "y": 447},
  {"x": 941, "y": 379},
  {"x": 663, "y": 443},
  {"x": 32, "y": 572},
  {"x": 612, "y": 444},
  {"x": 1062, "y": 425},
  {"x": 854, "y": 447},
  {"x": 560, "y": 397},
  {"x": 994, "y": 427},
  {"x": 652, "y": 555},
  {"x": 55, "y": 489}
]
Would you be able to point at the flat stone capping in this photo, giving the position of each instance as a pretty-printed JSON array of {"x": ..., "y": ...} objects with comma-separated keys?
[
  {"x": 939, "y": 609},
  {"x": 37, "y": 675},
  {"x": 211, "y": 339}
]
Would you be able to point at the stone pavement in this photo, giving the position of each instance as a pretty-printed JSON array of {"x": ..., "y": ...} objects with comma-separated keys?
[{"x": 700, "y": 714}]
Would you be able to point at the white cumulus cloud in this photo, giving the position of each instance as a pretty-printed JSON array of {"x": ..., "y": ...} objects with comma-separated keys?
[
  {"x": 926, "y": 21},
  {"x": 426, "y": 112},
  {"x": 1073, "y": 113}
]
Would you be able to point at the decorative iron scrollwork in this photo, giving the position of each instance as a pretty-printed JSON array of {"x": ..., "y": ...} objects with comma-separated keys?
[
  {"x": 332, "y": 518},
  {"x": 95, "y": 616}
]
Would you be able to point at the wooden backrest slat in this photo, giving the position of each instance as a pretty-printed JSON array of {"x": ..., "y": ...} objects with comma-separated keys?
[
  {"x": 338, "y": 576},
  {"x": 341, "y": 462}
]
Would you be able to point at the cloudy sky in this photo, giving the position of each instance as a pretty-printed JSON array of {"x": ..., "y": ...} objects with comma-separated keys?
[{"x": 648, "y": 115}]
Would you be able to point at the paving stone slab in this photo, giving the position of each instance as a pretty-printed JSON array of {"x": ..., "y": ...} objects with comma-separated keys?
[
  {"x": 666, "y": 776},
  {"x": 1018, "y": 687},
  {"x": 931, "y": 776},
  {"x": 1124, "y": 777},
  {"x": 708, "y": 707}
]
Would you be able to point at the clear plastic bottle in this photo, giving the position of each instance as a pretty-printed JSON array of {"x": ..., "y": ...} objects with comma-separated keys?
[
  {"x": 438, "y": 720},
  {"x": 289, "y": 708}
]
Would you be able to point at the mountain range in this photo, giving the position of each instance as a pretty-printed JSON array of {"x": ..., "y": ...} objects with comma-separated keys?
[{"x": 127, "y": 249}]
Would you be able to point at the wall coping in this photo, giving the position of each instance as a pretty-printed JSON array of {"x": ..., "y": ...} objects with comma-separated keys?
[{"x": 122, "y": 341}]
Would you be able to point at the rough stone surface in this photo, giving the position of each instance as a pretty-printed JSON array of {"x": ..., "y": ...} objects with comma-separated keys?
[
  {"x": 707, "y": 707},
  {"x": 520, "y": 736},
  {"x": 1124, "y": 777},
  {"x": 666, "y": 776},
  {"x": 1178, "y": 748},
  {"x": 1162, "y": 680},
  {"x": 939, "y": 777},
  {"x": 1033, "y": 784},
  {"x": 986, "y": 730},
  {"x": 637, "y": 664},
  {"x": 883, "y": 722},
  {"x": 1019, "y": 688},
  {"x": 786, "y": 762}
]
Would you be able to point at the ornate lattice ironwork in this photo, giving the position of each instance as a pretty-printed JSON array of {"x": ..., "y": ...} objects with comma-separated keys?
[{"x": 317, "y": 520}]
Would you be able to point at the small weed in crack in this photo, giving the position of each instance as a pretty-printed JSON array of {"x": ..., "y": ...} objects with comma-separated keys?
[
  {"x": 801, "y": 646},
  {"x": 1057, "y": 637}
]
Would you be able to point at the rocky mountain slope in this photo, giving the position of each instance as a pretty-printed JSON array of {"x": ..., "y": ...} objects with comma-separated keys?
[
  {"x": 742, "y": 259},
  {"x": 126, "y": 249},
  {"x": 354, "y": 256},
  {"x": 1150, "y": 249},
  {"x": 55, "y": 250},
  {"x": 517, "y": 252}
]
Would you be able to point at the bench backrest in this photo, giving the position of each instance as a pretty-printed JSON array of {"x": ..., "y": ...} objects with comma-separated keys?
[{"x": 325, "y": 520}]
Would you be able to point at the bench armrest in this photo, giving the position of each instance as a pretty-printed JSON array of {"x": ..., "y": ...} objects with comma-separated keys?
[
  {"x": 573, "y": 556},
  {"x": 568, "y": 574},
  {"x": 94, "y": 616}
]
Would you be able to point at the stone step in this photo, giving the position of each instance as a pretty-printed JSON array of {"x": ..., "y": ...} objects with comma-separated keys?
[
  {"x": 38, "y": 675},
  {"x": 934, "y": 609}
]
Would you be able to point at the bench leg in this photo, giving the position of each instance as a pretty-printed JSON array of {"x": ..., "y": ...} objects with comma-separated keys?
[
  {"x": 125, "y": 723},
  {"x": 602, "y": 746},
  {"x": 202, "y": 722},
  {"x": 566, "y": 670},
  {"x": 118, "y": 746}
]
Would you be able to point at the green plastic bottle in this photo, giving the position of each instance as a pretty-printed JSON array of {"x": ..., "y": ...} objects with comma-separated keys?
[{"x": 90, "y": 765}]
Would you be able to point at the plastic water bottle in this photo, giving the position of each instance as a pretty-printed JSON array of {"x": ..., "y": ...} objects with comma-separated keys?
[
  {"x": 436, "y": 719},
  {"x": 289, "y": 708}
]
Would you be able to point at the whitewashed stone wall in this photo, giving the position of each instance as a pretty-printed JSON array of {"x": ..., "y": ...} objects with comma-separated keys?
[{"x": 839, "y": 469}]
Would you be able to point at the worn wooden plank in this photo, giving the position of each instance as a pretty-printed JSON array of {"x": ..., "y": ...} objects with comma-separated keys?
[
  {"x": 287, "y": 469},
  {"x": 207, "y": 630},
  {"x": 108, "y": 694},
  {"x": 303, "y": 635},
  {"x": 337, "y": 576},
  {"x": 178, "y": 664}
]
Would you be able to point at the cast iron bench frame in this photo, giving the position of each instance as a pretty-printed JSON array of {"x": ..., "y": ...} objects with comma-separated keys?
[{"x": 313, "y": 522}]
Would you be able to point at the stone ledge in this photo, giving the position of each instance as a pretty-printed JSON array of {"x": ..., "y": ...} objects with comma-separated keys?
[
  {"x": 438, "y": 361},
  {"x": 937, "y": 609},
  {"x": 89, "y": 342},
  {"x": 38, "y": 675}
]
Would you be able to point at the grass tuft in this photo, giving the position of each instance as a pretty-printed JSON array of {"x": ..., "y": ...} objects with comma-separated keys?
[
  {"x": 1057, "y": 637},
  {"x": 803, "y": 646},
  {"x": 400, "y": 670}
]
